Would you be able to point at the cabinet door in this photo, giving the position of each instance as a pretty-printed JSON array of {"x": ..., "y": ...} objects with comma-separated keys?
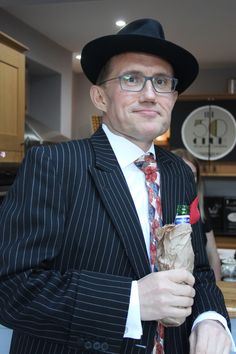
[{"x": 12, "y": 104}]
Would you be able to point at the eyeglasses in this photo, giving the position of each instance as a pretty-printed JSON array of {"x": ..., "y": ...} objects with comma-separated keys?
[{"x": 135, "y": 82}]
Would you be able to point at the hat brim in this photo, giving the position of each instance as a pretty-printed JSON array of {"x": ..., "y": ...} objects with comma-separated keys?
[{"x": 97, "y": 52}]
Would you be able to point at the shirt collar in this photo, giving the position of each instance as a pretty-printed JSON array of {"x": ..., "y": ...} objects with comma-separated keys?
[{"x": 121, "y": 146}]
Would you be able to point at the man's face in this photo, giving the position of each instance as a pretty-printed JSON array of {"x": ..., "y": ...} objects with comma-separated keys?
[{"x": 138, "y": 116}]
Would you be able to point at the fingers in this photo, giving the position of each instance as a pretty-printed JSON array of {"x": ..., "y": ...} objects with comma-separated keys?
[
  {"x": 181, "y": 276},
  {"x": 166, "y": 294},
  {"x": 178, "y": 281},
  {"x": 175, "y": 282},
  {"x": 183, "y": 290},
  {"x": 177, "y": 312},
  {"x": 181, "y": 301}
]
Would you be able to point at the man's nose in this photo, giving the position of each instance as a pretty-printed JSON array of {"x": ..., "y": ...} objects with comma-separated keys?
[{"x": 148, "y": 91}]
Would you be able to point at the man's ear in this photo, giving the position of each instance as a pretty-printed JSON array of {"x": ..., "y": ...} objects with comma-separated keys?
[{"x": 98, "y": 98}]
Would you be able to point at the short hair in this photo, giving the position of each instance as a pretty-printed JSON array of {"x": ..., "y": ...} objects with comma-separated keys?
[{"x": 105, "y": 71}]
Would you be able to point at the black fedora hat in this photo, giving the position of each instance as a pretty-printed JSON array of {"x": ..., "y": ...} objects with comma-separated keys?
[{"x": 143, "y": 35}]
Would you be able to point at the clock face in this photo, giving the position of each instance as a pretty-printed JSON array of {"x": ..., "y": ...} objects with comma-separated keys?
[{"x": 209, "y": 132}]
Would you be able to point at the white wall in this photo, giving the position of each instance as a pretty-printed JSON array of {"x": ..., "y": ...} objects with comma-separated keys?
[
  {"x": 83, "y": 108},
  {"x": 44, "y": 100},
  {"x": 49, "y": 54},
  {"x": 212, "y": 80}
]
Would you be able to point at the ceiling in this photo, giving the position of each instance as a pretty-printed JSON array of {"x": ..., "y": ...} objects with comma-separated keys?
[{"x": 207, "y": 28}]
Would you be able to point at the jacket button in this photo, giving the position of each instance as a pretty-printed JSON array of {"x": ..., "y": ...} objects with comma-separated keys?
[
  {"x": 87, "y": 345},
  {"x": 96, "y": 345},
  {"x": 104, "y": 346}
]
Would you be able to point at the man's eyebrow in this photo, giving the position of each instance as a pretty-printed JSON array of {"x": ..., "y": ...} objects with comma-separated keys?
[{"x": 132, "y": 72}]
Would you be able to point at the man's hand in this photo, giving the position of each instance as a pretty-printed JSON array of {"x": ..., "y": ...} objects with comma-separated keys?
[
  {"x": 209, "y": 337},
  {"x": 166, "y": 294}
]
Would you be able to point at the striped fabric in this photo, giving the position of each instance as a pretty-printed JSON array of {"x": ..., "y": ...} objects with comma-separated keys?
[{"x": 71, "y": 244}]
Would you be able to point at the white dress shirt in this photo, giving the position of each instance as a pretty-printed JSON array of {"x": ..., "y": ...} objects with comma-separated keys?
[{"x": 126, "y": 153}]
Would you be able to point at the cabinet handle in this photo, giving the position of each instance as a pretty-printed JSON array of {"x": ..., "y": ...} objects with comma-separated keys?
[{"x": 3, "y": 154}]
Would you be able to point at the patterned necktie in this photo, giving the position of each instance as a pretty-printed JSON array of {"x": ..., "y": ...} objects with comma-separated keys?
[{"x": 147, "y": 164}]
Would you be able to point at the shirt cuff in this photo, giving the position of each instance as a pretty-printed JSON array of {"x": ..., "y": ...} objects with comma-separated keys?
[
  {"x": 133, "y": 328},
  {"x": 212, "y": 315}
]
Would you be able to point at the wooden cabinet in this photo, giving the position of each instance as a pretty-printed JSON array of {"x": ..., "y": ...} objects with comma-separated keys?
[
  {"x": 218, "y": 169},
  {"x": 12, "y": 99},
  {"x": 226, "y": 242}
]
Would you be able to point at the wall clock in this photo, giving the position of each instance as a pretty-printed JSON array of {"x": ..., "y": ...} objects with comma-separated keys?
[{"x": 209, "y": 132}]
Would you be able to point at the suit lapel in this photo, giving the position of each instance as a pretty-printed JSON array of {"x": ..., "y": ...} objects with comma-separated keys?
[
  {"x": 114, "y": 192},
  {"x": 170, "y": 185}
]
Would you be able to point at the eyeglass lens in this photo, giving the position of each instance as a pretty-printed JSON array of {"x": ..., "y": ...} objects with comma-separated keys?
[{"x": 136, "y": 82}]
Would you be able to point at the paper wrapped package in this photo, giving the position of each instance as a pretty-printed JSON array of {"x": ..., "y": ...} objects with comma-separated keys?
[{"x": 174, "y": 250}]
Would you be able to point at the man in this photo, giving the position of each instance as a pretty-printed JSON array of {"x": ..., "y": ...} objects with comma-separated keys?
[{"x": 75, "y": 269}]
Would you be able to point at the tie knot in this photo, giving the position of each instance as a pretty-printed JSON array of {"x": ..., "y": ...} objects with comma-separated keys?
[{"x": 147, "y": 164}]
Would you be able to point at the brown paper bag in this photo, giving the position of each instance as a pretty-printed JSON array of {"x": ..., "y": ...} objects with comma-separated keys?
[{"x": 174, "y": 250}]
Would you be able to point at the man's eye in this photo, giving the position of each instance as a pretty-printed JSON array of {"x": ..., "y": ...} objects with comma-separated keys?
[
  {"x": 131, "y": 79},
  {"x": 161, "y": 81}
]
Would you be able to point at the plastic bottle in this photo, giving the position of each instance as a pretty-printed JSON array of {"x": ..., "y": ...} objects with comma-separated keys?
[{"x": 183, "y": 215}]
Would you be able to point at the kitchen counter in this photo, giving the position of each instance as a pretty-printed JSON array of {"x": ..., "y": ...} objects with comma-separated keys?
[{"x": 229, "y": 291}]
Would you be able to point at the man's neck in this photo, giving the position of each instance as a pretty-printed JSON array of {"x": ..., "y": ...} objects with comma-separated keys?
[{"x": 144, "y": 145}]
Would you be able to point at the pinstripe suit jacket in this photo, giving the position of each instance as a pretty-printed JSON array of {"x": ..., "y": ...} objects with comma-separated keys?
[{"x": 71, "y": 244}]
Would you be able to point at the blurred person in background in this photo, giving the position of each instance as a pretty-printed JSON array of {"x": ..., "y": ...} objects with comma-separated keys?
[{"x": 208, "y": 232}]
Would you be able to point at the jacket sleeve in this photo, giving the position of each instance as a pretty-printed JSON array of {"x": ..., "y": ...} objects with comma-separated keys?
[
  {"x": 208, "y": 296},
  {"x": 37, "y": 297}
]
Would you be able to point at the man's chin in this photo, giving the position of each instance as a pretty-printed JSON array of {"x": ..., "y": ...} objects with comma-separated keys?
[{"x": 152, "y": 135}]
